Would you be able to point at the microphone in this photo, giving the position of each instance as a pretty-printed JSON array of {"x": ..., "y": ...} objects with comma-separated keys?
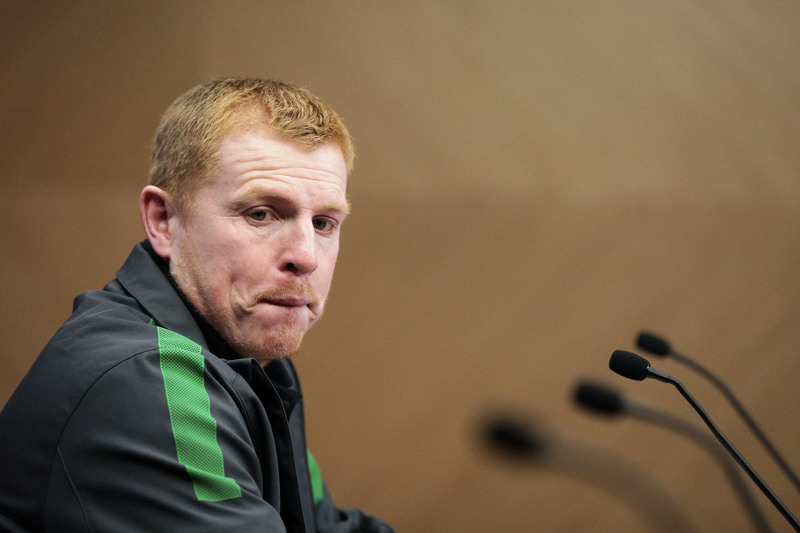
[
  {"x": 514, "y": 437},
  {"x": 633, "y": 366},
  {"x": 606, "y": 401},
  {"x": 657, "y": 345},
  {"x": 523, "y": 441}
]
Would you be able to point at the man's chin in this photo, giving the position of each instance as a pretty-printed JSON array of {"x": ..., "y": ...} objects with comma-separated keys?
[
  {"x": 264, "y": 338},
  {"x": 271, "y": 348}
]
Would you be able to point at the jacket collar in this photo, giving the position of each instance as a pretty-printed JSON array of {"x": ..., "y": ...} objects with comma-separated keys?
[{"x": 146, "y": 277}]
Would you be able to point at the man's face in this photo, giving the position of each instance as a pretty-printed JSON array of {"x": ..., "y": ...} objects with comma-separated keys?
[{"x": 256, "y": 254}]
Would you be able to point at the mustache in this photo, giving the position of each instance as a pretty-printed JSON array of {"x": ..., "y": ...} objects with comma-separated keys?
[{"x": 290, "y": 290}]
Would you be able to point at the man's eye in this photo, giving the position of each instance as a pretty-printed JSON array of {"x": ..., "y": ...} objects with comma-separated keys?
[
  {"x": 323, "y": 224},
  {"x": 259, "y": 215}
]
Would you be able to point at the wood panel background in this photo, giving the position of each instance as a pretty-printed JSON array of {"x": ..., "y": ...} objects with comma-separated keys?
[{"x": 536, "y": 182}]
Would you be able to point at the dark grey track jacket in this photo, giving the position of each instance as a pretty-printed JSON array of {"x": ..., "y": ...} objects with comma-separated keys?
[{"x": 136, "y": 417}]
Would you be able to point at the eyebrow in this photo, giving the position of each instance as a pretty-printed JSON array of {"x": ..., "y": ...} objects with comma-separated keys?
[
  {"x": 278, "y": 198},
  {"x": 343, "y": 208}
]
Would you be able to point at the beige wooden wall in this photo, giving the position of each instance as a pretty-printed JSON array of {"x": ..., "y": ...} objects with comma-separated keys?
[{"x": 536, "y": 182}]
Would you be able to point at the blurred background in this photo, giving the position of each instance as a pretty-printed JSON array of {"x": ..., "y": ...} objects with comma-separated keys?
[{"x": 536, "y": 182}]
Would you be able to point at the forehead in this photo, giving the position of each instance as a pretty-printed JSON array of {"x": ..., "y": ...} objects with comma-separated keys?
[
  {"x": 259, "y": 147},
  {"x": 255, "y": 158}
]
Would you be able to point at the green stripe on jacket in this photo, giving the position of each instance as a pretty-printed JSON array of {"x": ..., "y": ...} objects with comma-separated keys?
[{"x": 193, "y": 427}]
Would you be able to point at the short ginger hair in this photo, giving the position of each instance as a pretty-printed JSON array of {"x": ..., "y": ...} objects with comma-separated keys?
[{"x": 186, "y": 144}]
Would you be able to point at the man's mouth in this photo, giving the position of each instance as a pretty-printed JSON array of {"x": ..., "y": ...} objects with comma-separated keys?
[{"x": 289, "y": 301}]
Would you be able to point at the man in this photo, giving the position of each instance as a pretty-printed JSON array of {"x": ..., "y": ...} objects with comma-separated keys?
[{"x": 166, "y": 402}]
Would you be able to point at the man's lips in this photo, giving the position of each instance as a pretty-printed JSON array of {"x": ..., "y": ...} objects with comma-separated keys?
[{"x": 289, "y": 301}]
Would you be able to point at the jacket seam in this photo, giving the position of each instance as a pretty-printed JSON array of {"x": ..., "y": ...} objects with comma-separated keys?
[
  {"x": 67, "y": 421},
  {"x": 74, "y": 488},
  {"x": 249, "y": 423},
  {"x": 245, "y": 412}
]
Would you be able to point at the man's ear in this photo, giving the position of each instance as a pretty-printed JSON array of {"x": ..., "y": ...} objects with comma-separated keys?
[{"x": 159, "y": 218}]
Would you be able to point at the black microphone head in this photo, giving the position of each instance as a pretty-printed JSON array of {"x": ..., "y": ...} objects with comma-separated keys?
[
  {"x": 513, "y": 436},
  {"x": 599, "y": 398},
  {"x": 629, "y": 365},
  {"x": 650, "y": 342}
]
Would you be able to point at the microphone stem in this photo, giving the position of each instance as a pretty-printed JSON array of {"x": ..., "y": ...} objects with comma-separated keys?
[
  {"x": 696, "y": 433},
  {"x": 737, "y": 456},
  {"x": 743, "y": 413}
]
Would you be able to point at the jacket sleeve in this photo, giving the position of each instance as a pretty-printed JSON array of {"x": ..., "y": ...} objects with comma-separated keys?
[
  {"x": 329, "y": 519},
  {"x": 151, "y": 448}
]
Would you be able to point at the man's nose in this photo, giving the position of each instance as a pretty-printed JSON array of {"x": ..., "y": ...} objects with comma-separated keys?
[{"x": 300, "y": 251}]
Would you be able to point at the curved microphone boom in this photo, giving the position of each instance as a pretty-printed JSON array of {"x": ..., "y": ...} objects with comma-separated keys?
[
  {"x": 657, "y": 345},
  {"x": 633, "y": 366},
  {"x": 606, "y": 401},
  {"x": 526, "y": 442}
]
